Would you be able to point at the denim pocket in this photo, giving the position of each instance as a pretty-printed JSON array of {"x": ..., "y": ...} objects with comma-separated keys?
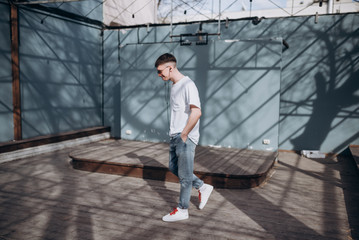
[{"x": 180, "y": 140}]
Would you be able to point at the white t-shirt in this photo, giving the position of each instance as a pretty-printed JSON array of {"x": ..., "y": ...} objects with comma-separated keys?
[{"x": 183, "y": 94}]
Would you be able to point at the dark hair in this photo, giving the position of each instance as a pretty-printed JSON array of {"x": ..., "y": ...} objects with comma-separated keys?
[{"x": 165, "y": 58}]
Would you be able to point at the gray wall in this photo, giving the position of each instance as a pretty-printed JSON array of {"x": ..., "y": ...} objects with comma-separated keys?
[
  {"x": 319, "y": 84},
  {"x": 91, "y": 9},
  {"x": 229, "y": 75},
  {"x": 6, "y": 123},
  {"x": 60, "y": 73}
]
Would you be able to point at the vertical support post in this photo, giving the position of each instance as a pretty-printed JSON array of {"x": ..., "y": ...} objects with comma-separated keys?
[
  {"x": 219, "y": 19},
  {"x": 212, "y": 9},
  {"x": 103, "y": 77},
  {"x": 16, "y": 97},
  {"x": 171, "y": 19},
  {"x": 330, "y": 6}
]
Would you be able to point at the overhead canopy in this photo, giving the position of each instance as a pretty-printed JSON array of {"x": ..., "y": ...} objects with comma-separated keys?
[{"x": 129, "y": 12}]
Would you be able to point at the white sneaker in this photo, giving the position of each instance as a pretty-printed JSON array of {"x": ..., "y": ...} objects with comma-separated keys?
[
  {"x": 203, "y": 194},
  {"x": 176, "y": 215}
]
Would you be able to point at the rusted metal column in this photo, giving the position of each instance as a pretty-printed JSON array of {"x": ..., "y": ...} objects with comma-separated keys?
[{"x": 16, "y": 96}]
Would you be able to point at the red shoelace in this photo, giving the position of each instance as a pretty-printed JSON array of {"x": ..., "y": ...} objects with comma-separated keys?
[
  {"x": 174, "y": 211},
  {"x": 199, "y": 195}
]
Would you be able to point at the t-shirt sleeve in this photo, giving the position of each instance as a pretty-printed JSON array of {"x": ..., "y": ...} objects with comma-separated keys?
[{"x": 193, "y": 95}]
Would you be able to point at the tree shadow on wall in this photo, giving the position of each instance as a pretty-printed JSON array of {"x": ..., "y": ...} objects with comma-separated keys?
[{"x": 326, "y": 107}]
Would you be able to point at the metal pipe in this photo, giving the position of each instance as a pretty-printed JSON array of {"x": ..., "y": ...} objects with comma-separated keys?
[
  {"x": 44, "y": 1},
  {"x": 330, "y": 6},
  {"x": 219, "y": 19},
  {"x": 171, "y": 18},
  {"x": 194, "y": 34},
  {"x": 212, "y": 9}
]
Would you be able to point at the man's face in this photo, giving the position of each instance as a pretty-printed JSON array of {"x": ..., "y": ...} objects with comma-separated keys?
[{"x": 163, "y": 71}]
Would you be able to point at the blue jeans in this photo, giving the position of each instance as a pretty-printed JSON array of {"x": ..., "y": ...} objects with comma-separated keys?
[{"x": 181, "y": 164}]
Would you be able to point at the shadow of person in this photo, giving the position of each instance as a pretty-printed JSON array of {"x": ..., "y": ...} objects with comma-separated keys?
[{"x": 154, "y": 170}]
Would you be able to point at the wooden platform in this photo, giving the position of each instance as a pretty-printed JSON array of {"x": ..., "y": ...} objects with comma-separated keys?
[
  {"x": 53, "y": 138},
  {"x": 354, "y": 149},
  {"x": 13, "y": 150},
  {"x": 221, "y": 167},
  {"x": 43, "y": 198}
]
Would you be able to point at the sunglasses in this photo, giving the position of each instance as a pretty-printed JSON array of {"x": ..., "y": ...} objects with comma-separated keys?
[{"x": 160, "y": 71}]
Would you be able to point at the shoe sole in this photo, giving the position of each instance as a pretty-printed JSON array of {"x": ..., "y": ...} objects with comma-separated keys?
[{"x": 175, "y": 220}]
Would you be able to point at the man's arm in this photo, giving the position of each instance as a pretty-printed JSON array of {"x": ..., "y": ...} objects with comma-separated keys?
[{"x": 192, "y": 121}]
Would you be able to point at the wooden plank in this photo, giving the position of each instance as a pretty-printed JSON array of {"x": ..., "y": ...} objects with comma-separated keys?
[
  {"x": 242, "y": 167},
  {"x": 215, "y": 162},
  {"x": 141, "y": 153},
  {"x": 354, "y": 149},
  {"x": 226, "y": 161},
  {"x": 163, "y": 174},
  {"x": 223, "y": 168},
  {"x": 53, "y": 138},
  {"x": 15, "y": 63},
  {"x": 45, "y": 198}
]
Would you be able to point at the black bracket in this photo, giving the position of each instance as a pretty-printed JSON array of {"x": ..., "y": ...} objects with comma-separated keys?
[{"x": 188, "y": 38}]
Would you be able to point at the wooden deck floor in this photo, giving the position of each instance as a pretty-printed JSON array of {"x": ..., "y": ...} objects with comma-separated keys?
[
  {"x": 354, "y": 149},
  {"x": 43, "y": 197},
  {"x": 221, "y": 167}
]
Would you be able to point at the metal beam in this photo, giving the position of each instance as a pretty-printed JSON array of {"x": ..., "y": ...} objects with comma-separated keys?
[
  {"x": 62, "y": 13},
  {"x": 44, "y": 2}
]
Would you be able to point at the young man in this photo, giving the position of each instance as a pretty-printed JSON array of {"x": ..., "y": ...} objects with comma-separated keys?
[{"x": 184, "y": 135}]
